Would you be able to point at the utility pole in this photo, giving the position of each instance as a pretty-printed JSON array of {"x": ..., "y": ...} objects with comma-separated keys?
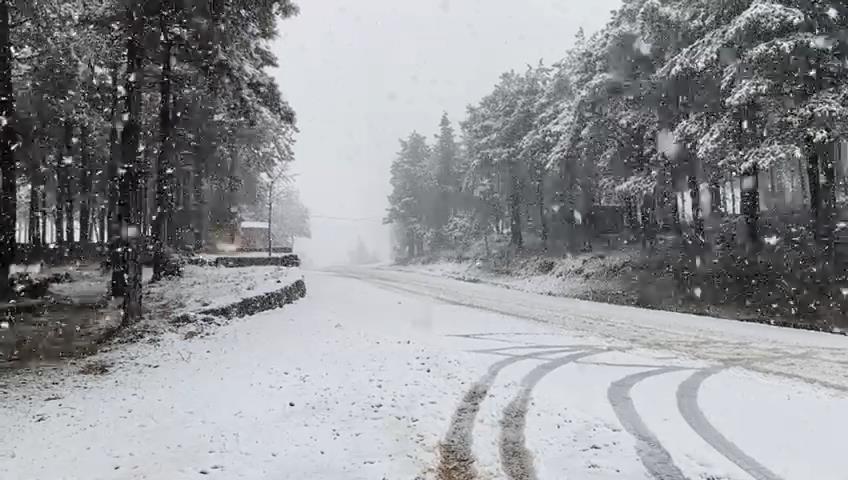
[
  {"x": 270, "y": 209},
  {"x": 271, "y": 183}
]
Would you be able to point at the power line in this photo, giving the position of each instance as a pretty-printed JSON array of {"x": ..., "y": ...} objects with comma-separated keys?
[{"x": 347, "y": 219}]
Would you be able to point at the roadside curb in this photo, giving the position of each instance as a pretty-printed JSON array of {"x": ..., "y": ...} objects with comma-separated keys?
[
  {"x": 250, "y": 306},
  {"x": 290, "y": 260}
]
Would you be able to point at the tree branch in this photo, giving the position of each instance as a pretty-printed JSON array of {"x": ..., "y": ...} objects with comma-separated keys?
[
  {"x": 30, "y": 57},
  {"x": 20, "y": 22}
]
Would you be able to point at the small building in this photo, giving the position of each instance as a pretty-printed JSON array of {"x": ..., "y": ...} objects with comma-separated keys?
[{"x": 253, "y": 236}]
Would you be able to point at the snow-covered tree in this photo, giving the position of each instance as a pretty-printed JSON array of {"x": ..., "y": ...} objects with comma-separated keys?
[
  {"x": 445, "y": 166},
  {"x": 143, "y": 116},
  {"x": 412, "y": 182}
]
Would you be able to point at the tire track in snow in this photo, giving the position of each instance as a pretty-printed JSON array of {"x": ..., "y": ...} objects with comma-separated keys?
[
  {"x": 687, "y": 403},
  {"x": 653, "y": 455},
  {"x": 457, "y": 459},
  {"x": 516, "y": 459}
]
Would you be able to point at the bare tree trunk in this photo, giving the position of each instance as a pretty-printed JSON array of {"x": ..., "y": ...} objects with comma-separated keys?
[
  {"x": 751, "y": 204},
  {"x": 118, "y": 282},
  {"x": 43, "y": 203},
  {"x": 649, "y": 221},
  {"x": 410, "y": 244},
  {"x": 815, "y": 189},
  {"x": 164, "y": 170},
  {"x": 804, "y": 187},
  {"x": 540, "y": 200},
  {"x": 199, "y": 203},
  {"x": 59, "y": 204},
  {"x": 698, "y": 231},
  {"x": 715, "y": 198},
  {"x": 675, "y": 212},
  {"x": 34, "y": 204},
  {"x": 32, "y": 223},
  {"x": 828, "y": 202},
  {"x": 102, "y": 224},
  {"x": 772, "y": 204},
  {"x": 67, "y": 192},
  {"x": 129, "y": 208},
  {"x": 8, "y": 186},
  {"x": 231, "y": 193},
  {"x": 516, "y": 238},
  {"x": 632, "y": 218},
  {"x": 85, "y": 186},
  {"x": 569, "y": 205}
]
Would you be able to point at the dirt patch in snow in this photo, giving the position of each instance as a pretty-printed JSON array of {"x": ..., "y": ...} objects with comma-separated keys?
[{"x": 79, "y": 320}]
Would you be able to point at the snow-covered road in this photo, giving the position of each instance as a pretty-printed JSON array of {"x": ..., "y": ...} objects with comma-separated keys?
[{"x": 384, "y": 374}]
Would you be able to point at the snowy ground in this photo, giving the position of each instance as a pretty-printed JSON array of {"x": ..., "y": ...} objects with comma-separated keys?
[
  {"x": 383, "y": 374},
  {"x": 607, "y": 277}
]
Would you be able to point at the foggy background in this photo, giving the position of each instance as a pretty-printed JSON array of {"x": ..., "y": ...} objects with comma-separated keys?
[{"x": 363, "y": 75}]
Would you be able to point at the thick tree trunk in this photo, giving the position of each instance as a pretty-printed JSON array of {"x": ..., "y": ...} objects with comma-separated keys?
[
  {"x": 815, "y": 190},
  {"x": 698, "y": 232},
  {"x": 772, "y": 203},
  {"x": 649, "y": 221},
  {"x": 35, "y": 204},
  {"x": 543, "y": 219},
  {"x": 85, "y": 186},
  {"x": 199, "y": 216},
  {"x": 751, "y": 205},
  {"x": 102, "y": 224},
  {"x": 804, "y": 186},
  {"x": 59, "y": 204},
  {"x": 32, "y": 223},
  {"x": 113, "y": 225},
  {"x": 632, "y": 217},
  {"x": 67, "y": 193},
  {"x": 8, "y": 186},
  {"x": 715, "y": 198},
  {"x": 828, "y": 202},
  {"x": 43, "y": 202},
  {"x": 232, "y": 193},
  {"x": 164, "y": 170},
  {"x": 129, "y": 208},
  {"x": 671, "y": 197},
  {"x": 516, "y": 238}
]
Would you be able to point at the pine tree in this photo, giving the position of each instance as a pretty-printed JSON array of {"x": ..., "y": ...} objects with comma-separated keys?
[
  {"x": 445, "y": 166},
  {"x": 411, "y": 185}
]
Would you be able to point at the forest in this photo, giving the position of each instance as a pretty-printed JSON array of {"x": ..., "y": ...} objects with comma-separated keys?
[
  {"x": 144, "y": 128},
  {"x": 708, "y": 134}
]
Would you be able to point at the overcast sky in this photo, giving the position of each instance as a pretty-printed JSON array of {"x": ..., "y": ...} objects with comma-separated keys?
[{"x": 363, "y": 74}]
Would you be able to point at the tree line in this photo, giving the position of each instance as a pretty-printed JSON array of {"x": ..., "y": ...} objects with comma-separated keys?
[
  {"x": 673, "y": 113},
  {"x": 137, "y": 124}
]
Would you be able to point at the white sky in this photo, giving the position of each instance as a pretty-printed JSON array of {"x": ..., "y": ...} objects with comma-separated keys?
[{"x": 363, "y": 74}]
